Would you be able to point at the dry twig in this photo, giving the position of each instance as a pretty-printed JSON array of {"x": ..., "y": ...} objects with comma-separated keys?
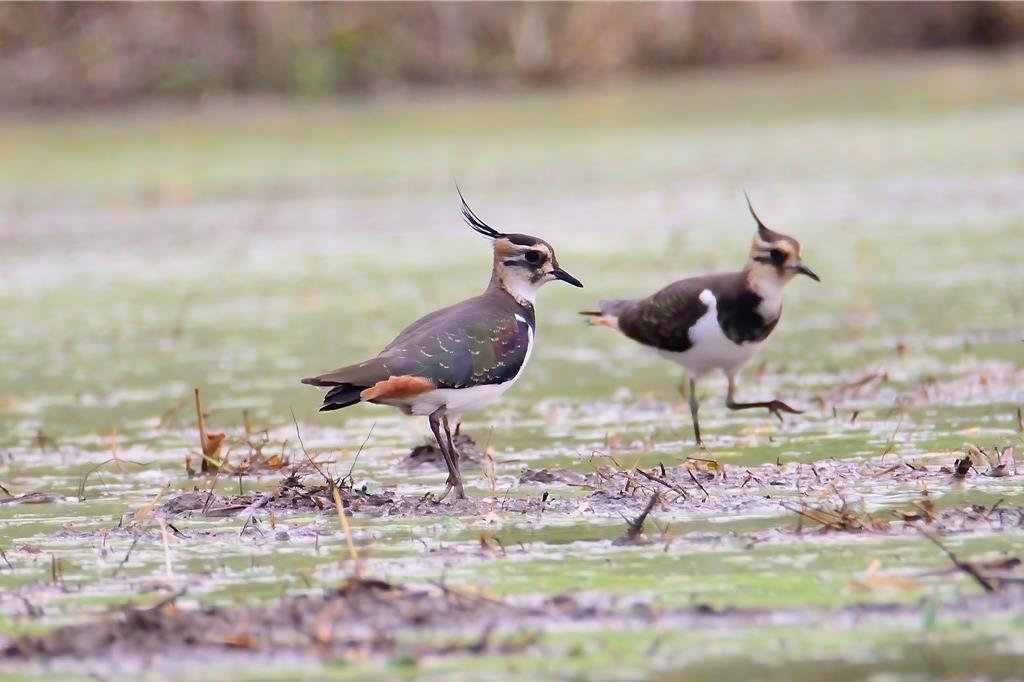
[{"x": 964, "y": 566}]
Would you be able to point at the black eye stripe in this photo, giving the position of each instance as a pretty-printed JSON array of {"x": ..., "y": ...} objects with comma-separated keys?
[
  {"x": 776, "y": 257},
  {"x": 525, "y": 260}
]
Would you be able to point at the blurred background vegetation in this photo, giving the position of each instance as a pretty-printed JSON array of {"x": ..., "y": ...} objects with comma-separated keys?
[{"x": 71, "y": 54}]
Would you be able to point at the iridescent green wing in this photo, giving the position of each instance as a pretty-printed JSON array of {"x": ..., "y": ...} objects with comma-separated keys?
[{"x": 462, "y": 348}]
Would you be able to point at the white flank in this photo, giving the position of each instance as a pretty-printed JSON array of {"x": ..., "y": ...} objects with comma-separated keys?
[
  {"x": 711, "y": 348},
  {"x": 460, "y": 400}
]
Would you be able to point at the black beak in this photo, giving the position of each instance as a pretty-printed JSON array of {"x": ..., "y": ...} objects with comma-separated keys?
[
  {"x": 802, "y": 269},
  {"x": 559, "y": 273}
]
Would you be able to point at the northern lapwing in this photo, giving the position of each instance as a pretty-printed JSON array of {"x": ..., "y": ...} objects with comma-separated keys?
[
  {"x": 715, "y": 321},
  {"x": 459, "y": 358}
]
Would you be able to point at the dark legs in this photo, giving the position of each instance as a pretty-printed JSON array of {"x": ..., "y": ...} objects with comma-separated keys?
[
  {"x": 775, "y": 407},
  {"x": 454, "y": 451},
  {"x": 451, "y": 455},
  {"x": 694, "y": 406}
]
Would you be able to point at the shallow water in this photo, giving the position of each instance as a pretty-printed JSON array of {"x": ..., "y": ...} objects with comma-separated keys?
[{"x": 240, "y": 246}]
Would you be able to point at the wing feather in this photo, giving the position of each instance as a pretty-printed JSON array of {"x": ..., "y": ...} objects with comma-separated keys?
[
  {"x": 663, "y": 320},
  {"x": 484, "y": 340}
]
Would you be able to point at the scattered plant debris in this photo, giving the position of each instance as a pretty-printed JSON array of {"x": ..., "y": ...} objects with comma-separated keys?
[
  {"x": 962, "y": 467},
  {"x": 291, "y": 495},
  {"x": 635, "y": 529},
  {"x": 209, "y": 443},
  {"x": 36, "y": 497},
  {"x": 968, "y": 568},
  {"x": 841, "y": 516},
  {"x": 611, "y": 491},
  {"x": 921, "y": 517},
  {"x": 428, "y": 453},
  {"x": 566, "y": 476},
  {"x": 1001, "y": 463}
]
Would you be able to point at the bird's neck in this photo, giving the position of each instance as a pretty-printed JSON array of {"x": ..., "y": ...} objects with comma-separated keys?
[
  {"x": 768, "y": 285},
  {"x": 522, "y": 290}
]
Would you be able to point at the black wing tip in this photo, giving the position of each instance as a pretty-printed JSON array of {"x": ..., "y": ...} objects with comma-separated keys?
[{"x": 474, "y": 221}]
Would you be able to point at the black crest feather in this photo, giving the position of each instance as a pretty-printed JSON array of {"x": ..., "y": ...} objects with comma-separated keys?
[
  {"x": 473, "y": 220},
  {"x": 766, "y": 233},
  {"x": 760, "y": 225}
]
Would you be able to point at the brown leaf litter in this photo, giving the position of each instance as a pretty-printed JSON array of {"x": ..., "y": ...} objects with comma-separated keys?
[{"x": 610, "y": 491}]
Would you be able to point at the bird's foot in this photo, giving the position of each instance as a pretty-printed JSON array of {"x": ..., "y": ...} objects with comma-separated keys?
[
  {"x": 777, "y": 407},
  {"x": 453, "y": 483},
  {"x": 447, "y": 489}
]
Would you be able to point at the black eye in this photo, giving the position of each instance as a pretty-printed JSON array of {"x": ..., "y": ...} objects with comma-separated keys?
[
  {"x": 534, "y": 257},
  {"x": 778, "y": 256}
]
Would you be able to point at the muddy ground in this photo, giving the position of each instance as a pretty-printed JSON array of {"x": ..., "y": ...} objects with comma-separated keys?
[
  {"x": 816, "y": 491},
  {"x": 368, "y": 618},
  {"x": 371, "y": 618}
]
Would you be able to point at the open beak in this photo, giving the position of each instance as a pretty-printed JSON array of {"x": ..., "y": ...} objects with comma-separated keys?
[
  {"x": 559, "y": 273},
  {"x": 802, "y": 269}
]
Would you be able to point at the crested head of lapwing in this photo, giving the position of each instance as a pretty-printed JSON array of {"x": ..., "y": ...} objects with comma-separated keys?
[
  {"x": 715, "y": 321},
  {"x": 462, "y": 357},
  {"x": 522, "y": 264},
  {"x": 774, "y": 260}
]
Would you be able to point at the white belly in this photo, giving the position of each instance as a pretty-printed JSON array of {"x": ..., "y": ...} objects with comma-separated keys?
[
  {"x": 458, "y": 400},
  {"x": 711, "y": 348}
]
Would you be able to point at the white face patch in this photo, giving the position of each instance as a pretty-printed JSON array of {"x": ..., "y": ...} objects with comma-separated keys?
[
  {"x": 522, "y": 289},
  {"x": 770, "y": 291},
  {"x": 518, "y": 274},
  {"x": 767, "y": 284}
]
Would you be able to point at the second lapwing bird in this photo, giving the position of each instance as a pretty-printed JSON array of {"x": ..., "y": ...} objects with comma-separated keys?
[
  {"x": 715, "y": 321},
  {"x": 459, "y": 358}
]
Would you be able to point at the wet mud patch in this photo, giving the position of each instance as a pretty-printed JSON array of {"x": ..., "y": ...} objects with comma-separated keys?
[
  {"x": 697, "y": 485},
  {"x": 366, "y": 619},
  {"x": 291, "y": 495}
]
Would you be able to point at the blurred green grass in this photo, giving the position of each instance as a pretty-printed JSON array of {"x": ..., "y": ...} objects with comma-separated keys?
[{"x": 231, "y": 146}]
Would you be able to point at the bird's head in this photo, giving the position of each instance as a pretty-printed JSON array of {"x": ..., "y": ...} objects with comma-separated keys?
[
  {"x": 775, "y": 257},
  {"x": 522, "y": 264}
]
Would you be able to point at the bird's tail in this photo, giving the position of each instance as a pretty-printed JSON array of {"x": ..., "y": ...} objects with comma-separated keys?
[
  {"x": 347, "y": 384},
  {"x": 608, "y": 313},
  {"x": 340, "y": 395}
]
